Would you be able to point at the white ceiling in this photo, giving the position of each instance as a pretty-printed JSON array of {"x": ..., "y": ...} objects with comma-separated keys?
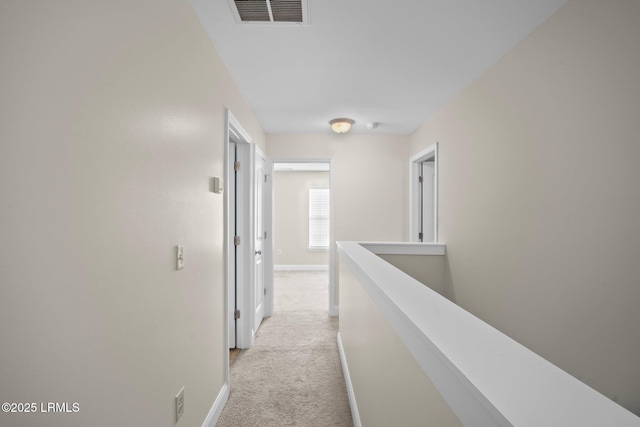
[{"x": 396, "y": 62}]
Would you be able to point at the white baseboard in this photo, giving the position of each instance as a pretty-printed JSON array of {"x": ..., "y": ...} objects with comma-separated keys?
[
  {"x": 218, "y": 405},
  {"x": 347, "y": 379},
  {"x": 299, "y": 267}
]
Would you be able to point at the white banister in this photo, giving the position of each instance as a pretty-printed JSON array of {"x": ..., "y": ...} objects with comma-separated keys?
[
  {"x": 487, "y": 378},
  {"x": 405, "y": 248}
]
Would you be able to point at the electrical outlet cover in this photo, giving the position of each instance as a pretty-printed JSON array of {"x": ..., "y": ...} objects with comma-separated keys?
[{"x": 179, "y": 404}]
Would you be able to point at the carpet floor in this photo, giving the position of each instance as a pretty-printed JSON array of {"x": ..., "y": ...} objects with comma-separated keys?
[{"x": 292, "y": 375}]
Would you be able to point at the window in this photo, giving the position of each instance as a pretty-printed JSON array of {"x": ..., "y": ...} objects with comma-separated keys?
[{"x": 318, "y": 218}]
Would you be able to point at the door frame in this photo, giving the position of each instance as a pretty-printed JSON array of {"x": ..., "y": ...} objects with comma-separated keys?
[
  {"x": 415, "y": 190},
  {"x": 333, "y": 306},
  {"x": 268, "y": 243},
  {"x": 238, "y": 263}
]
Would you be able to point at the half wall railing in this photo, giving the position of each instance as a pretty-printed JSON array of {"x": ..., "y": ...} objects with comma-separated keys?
[{"x": 451, "y": 365}]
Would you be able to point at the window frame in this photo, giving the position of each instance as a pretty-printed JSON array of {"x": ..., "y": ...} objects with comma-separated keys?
[{"x": 319, "y": 216}]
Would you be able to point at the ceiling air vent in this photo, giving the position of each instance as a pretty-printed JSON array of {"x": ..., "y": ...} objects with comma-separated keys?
[{"x": 276, "y": 11}]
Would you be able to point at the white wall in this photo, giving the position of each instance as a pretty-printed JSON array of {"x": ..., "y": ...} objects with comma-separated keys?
[
  {"x": 539, "y": 194},
  {"x": 291, "y": 217},
  {"x": 112, "y": 126}
]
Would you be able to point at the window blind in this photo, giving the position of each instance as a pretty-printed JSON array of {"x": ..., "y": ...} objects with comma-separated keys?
[{"x": 318, "y": 218}]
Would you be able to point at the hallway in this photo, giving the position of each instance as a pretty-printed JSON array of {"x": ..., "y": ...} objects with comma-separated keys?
[{"x": 292, "y": 375}]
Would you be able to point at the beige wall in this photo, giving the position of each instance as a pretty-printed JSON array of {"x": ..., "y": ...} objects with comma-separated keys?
[
  {"x": 426, "y": 269},
  {"x": 291, "y": 217},
  {"x": 112, "y": 128},
  {"x": 389, "y": 386},
  {"x": 368, "y": 175},
  {"x": 539, "y": 194}
]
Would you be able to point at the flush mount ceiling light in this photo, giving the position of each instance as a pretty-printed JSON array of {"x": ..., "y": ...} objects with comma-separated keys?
[{"x": 341, "y": 125}]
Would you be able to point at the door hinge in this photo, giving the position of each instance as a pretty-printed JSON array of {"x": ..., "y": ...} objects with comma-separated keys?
[
  {"x": 420, "y": 236},
  {"x": 236, "y": 166},
  {"x": 420, "y": 178},
  {"x": 236, "y": 314},
  {"x": 265, "y": 291},
  {"x": 236, "y": 240},
  {"x": 265, "y": 235},
  {"x": 265, "y": 178}
]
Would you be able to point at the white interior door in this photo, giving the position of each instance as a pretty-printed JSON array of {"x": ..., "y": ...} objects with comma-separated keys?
[
  {"x": 428, "y": 205},
  {"x": 259, "y": 247}
]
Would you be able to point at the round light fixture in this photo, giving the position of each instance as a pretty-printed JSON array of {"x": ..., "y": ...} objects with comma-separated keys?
[{"x": 341, "y": 125}]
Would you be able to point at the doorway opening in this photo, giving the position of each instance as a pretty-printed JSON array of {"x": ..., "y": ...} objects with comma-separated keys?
[
  {"x": 303, "y": 220},
  {"x": 423, "y": 196}
]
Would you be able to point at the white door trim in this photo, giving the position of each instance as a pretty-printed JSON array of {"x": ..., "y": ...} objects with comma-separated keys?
[
  {"x": 333, "y": 307},
  {"x": 229, "y": 252},
  {"x": 414, "y": 192},
  {"x": 234, "y": 132},
  {"x": 268, "y": 247}
]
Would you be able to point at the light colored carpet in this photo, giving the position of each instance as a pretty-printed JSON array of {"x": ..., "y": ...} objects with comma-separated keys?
[{"x": 292, "y": 375}]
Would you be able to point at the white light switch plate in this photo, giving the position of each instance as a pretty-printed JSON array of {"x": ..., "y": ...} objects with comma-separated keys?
[{"x": 179, "y": 257}]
